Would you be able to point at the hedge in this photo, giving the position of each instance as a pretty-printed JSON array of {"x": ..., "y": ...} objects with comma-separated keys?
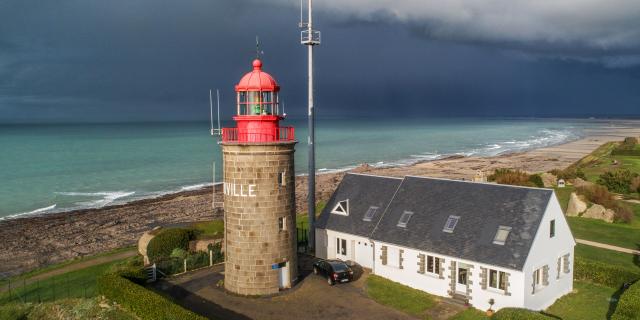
[
  {"x": 163, "y": 244},
  {"x": 631, "y": 153},
  {"x": 602, "y": 273},
  {"x": 629, "y": 304},
  {"x": 145, "y": 304},
  {"x": 518, "y": 314}
]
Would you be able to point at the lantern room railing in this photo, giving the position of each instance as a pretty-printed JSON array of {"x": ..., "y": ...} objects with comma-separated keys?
[{"x": 278, "y": 134}]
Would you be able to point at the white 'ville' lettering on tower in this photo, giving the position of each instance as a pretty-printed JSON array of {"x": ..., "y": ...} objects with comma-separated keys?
[{"x": 232, "y": 189}]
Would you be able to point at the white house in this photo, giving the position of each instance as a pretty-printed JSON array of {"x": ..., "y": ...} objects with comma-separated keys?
[{"x": 465, "y": 240}]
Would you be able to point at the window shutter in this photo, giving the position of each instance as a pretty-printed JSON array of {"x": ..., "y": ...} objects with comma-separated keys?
[
  {"x": 545, "y": 275},
  {"x": 566, "y": 263},
  {"x": 400, "y": 259},
  {"x": 421, "y": 262},
  {"x": 383, "y": 255},
  {"x": 558, "y": 267},
  {"x": 441, "y": 268},
  {"x": 483, "y": 278},
  {"x": 533, "y": 283}
]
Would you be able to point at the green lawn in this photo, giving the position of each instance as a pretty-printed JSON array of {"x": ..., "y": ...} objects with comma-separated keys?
[
  {"x": 470, "y": 314},
  {"x": 624, "y": 260},
  {"x": 398, "y": 296},
  {"x": 587, "y": 302},
  {"x": 74, "y": 284},
  {"x": 210, "y": 229},
  {"x": 617, "y": 234}
]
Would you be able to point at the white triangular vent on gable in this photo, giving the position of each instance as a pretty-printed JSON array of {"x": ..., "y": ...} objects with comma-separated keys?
[{"x": 342, "y": 208}]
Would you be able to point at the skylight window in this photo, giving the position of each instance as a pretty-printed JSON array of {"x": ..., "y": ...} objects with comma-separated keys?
[
  {"x": 451, "y": 224},
  {"x": 502, "y": 235},
  {"x": 341, "y": 208},
  {"x": 404, "y": 219},
  {"x": 368, "y": 216}
]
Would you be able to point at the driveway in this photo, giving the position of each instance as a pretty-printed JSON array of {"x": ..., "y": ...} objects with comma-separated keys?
[{"x": 312, "y": 298}]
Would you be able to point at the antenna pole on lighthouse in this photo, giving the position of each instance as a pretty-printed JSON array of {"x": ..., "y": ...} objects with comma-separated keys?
[{"x": 311, "y": 38}]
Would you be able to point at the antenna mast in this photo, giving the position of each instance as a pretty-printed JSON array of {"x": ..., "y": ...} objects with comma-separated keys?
[
  {"x": 211, "y": 112},
  {"x": 310, "y": 38}
]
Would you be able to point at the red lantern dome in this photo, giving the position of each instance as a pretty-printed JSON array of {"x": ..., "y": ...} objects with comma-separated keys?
[
  {"x": 257, "y": 80},
  {"x": 258, "y": 111}
]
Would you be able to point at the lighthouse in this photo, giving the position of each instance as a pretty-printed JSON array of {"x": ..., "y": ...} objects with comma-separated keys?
[{"x": 259, "y": 191}]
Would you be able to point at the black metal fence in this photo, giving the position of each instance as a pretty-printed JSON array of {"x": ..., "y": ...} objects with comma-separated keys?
[{"x": 303, "y": 237}]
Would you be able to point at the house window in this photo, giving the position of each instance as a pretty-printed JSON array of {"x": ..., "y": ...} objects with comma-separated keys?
[
  {"x": 341, "y": 208},
  {"x": 552, "y": 228},
  {"x": 282, "y": 179},
  {"x": 404, "y": 219},
  {"x": 341, "y": 246},
  {"x": 282, "y": 223},
  {"x": 371, "y": 212},
  {"x": 497, "y": 279},
  {"x": 501, "y": 235},
  {"x": 433, "y": 265},
  {"x": 451, "y": 223},
  {"x": 540, "y": 278}
]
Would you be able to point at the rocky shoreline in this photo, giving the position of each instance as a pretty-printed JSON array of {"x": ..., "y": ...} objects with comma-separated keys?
[{"x": 30, "y": 242}]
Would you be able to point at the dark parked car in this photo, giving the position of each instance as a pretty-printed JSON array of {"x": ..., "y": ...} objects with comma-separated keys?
[{"x": 333, "y": 270}]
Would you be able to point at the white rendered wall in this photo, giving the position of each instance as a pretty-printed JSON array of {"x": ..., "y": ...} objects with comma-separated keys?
[
  {"x": 359, "y": 249},
  {"x": 430, "y": 283},
  {"x": 545, "y": 251}
]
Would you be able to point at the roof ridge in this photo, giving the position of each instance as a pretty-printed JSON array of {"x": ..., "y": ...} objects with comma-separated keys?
[
  {"x": 374, "y": 176},
  {"x": 483, "y": 183}
]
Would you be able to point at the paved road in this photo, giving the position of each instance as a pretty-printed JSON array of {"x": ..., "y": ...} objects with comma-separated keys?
[
  {"x": 607, "y": 246},
  {"x": 77, "y": 266}
]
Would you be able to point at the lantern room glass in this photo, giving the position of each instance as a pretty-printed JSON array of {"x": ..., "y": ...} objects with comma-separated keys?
[{"x": 254, "y": 103}]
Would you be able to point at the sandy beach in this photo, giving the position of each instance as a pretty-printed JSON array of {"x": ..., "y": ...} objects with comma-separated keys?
[{"x": 30, "y": 242}]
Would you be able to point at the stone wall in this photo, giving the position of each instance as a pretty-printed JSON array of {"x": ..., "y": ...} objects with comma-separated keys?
[{"x": 259, "y": 184}]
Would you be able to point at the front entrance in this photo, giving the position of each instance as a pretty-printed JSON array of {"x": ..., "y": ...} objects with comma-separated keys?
[
  {"x": 342, "y": 250},
  {"x": 284, "y": 279},
  {"x": 462, "y": 278}
]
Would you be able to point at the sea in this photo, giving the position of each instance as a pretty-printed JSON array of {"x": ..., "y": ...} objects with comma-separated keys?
[{"x": 46, "y": 168}]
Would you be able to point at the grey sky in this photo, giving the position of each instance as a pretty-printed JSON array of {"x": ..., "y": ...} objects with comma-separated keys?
[{"x": 89, "y": 60}]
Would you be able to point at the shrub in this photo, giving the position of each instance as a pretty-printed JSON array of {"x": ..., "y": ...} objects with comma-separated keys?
[
  {"x": 162, "y": 245},
  {"x": 617, "y": 181},
  {"x": 536, "y": 179},
  {"x": 635, "y": 184},
  {"x": 601, "y": 273},
  {"x": 216, "y": 249},
  {"x": 146, "y": 304},
  {"x": 511, "y": 177},
  {"x": 518, "y": 314},
  {"x": 629, "y": 304},
  {"x": 571, "y": 172},
  {"x": 179, "y": 253},
  {"x": 197, "y": 260},
  {"x": 600, "y": 195}
]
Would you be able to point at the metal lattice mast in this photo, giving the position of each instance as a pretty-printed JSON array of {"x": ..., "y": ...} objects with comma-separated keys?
[{"x": 311, "y": 38}]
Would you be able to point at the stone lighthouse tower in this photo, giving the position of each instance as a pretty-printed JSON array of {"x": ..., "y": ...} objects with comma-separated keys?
[{"x": 259, "y": 191}]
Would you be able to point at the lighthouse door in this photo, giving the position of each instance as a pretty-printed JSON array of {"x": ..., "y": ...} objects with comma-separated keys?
[{"x": 283, "y": 276}]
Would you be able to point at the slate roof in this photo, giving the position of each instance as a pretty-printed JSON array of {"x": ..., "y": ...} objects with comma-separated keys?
[
  {"x": 363, "y": 191},
  {"x": 481, "y": 207}
]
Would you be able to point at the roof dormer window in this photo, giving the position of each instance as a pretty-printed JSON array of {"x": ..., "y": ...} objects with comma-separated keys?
[
  {"x": 404, "y": 219},
  {"x": 501, "y": 235},
  {"x": 451, "y": 223},
  {"x": 341, "y": 208}
]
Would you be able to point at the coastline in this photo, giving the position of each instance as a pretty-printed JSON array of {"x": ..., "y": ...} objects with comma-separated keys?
[{"x": 34, "y": 241}]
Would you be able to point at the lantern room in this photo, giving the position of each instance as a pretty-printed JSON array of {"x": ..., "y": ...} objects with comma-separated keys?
[{"x": 258, "y": 111}]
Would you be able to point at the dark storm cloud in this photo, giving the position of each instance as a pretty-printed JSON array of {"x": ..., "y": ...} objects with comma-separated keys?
[{"x": 89, "y": 60}]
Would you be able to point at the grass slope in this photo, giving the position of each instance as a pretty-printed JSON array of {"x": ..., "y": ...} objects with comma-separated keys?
[
  {"x": 587, "y": 302},
  {"x": 620, "y": 259},
  {"x": 94, "y": 308},
  {"x": 617, "y": 234},
  {"x": 398, "y": 296}
]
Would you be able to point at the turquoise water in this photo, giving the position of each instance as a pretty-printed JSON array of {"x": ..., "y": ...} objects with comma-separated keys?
[{"x": 50, "y": 168}]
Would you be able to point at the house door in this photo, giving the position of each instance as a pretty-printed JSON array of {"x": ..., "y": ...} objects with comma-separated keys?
[
  {"x": 342, "y": 250},
  {"x": 364, "y": 254},
  {"x": 283, "y": 276},
  {"x": 462, "y": 278}
]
